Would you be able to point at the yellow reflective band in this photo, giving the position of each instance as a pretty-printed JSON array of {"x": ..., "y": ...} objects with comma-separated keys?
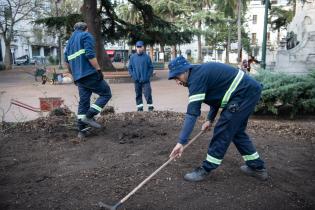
[
  {"x": 81, "y": 116},
  {"x": 251, "y": 157},
  {"x": 96, "y": 107},
  {"x": 232, "y": 88},
  {"x": 213, "y": 160},
  {"x": 197, "y": 97},
  {"x": 76, "y": 54},
  {"x": 140, "y": 105}
]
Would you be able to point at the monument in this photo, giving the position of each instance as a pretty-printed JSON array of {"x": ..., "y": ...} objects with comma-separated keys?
[{"x": 297, "y": 51}]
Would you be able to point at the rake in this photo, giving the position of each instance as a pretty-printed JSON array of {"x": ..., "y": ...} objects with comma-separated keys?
[{"x": 123, "y": 200}]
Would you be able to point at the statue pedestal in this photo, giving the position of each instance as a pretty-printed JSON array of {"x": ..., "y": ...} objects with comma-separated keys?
[{"x": 301, "y": 58}]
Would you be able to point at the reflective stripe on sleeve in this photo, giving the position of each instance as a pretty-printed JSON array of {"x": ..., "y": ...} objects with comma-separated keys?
[
  {"x": 76, "y": 54},
  {"x": 214, "y": 160},
  {"x": 94, "y": 106},
  {"x": 232, "y": 88},
  {"x": 197, "y": 97},
  {"x": 251, "y": 157}
]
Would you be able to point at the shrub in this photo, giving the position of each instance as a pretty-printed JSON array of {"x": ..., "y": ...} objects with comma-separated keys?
[
  {"x": 2, "y": 66},
  {"x": 286, "y": 94}
]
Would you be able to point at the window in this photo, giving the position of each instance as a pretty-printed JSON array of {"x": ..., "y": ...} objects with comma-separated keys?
[
  {"x": 254, "y": 19},
  {"x": 254, "y": 38}
]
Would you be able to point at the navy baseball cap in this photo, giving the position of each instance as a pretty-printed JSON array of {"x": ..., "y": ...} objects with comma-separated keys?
[
  {"x": 178, "y": 66},
  {"x": 139, "y": 44}
]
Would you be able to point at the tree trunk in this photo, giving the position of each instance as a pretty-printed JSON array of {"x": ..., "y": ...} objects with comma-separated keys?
[
  {"x": 199, "y": 42},
  {"x": 174, "y": 52},
  {"x": 162, "y": 51},
  {"x": 7, "y": 56},
  {"x": 93, "y": 20},
  {"x": 239, "y": 32},
  {"x": 278, "y": 36},
  {"x": 228, "y": 44},
  {"x": 152, "y": 53}
]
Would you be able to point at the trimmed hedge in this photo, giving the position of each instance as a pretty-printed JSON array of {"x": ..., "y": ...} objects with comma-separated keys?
[{"x": 286, "y": 94}]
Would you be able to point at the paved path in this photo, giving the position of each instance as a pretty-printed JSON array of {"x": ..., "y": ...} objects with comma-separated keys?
[{"x": 20, "y": 85}]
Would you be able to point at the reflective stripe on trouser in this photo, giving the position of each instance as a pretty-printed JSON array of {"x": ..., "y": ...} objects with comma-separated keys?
[
  {"x": 231, "y": 127},
  {"x": 86, "y": 86},
  {"x": 97, "y": 108},
  {"x": 213, "y": 160},
  {"x": 81, "y": 116},
  {"x": 253, "y": 156},
  {"x": 150, "y": 105},
  {"x": 232, "y": 88},
  {"x": 147, "y": 91}
]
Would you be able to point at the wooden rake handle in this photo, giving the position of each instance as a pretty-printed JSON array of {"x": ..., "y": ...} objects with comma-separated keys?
[{"x": 157, "y": 170}]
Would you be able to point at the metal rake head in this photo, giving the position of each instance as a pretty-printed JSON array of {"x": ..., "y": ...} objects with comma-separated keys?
[{"x": 105, "y": 206}]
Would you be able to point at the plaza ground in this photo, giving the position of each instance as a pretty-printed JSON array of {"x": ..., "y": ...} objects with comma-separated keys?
[{"x": 19, "y": 84}]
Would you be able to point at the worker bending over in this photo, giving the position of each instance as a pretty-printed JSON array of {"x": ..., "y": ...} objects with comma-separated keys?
[{"x": 219, "y": 86}]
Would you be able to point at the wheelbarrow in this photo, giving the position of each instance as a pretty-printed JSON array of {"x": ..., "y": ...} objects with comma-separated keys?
[{"x": 46, "y": 104}]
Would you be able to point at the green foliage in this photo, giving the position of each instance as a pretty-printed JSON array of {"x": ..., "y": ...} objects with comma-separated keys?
[
  {"x": 280, "y": 17},
  {"x": 66, "y": 22},
  {"x": 53, "y": 60},
  {"x": 292, "y": 93}
]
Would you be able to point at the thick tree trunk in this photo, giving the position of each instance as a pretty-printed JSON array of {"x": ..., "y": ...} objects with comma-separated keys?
[
  {"x": 93, "y": 20},
  {"x": 199, "y": 43},
  {"x": 7, "y": 56},
  {"x": 239, "y": 32}
]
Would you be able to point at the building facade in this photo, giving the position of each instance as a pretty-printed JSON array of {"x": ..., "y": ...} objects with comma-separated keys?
[{"x": 30, "y": 41}]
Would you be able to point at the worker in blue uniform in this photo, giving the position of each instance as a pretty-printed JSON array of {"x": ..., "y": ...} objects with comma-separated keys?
[
  {"x": 80, "y": 58},
  {"x": 219, "y": 86},
  {"x": 141, "y": 70}
]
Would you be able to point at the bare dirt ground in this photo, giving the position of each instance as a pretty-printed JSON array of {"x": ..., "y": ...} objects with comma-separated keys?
[{"x": 43, "y": 166}]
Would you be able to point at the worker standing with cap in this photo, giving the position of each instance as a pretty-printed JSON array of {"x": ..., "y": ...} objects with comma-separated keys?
[
  {"x": 141, "y": 70},
  {"x": 220, "y": 86},
  {"x": 80, "y": 59}
]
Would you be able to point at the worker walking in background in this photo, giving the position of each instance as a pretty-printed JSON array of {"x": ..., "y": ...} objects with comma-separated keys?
[
  {"x": 80, "y": 59},
  {"x": 219, "y": 86},
  {"x": 141, "y": 70}
]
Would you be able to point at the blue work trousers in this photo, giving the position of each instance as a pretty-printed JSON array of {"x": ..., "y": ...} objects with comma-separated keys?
[
  {"x": 230, "y": 127},
  {"x": 144, "y": 87},
  {"x": 87, "y": 85}
]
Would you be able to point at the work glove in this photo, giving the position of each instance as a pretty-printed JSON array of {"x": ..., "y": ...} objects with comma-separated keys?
[{"x": 101, "y": 74}]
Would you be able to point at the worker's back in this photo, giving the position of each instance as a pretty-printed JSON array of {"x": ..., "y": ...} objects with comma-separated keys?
[{"x": 79, "y": 50}]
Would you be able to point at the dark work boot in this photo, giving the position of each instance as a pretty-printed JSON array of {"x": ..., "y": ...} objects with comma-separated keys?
[
  {"x": 140, "y": 109},
  {"x": 260, "y": 174},
  {"x": 151, "y": 108},
  {"x": 196, "y": 175},
  {"x": 91, "y": 122}
]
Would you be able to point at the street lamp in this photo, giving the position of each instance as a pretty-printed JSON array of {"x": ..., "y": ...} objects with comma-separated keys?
[{"x": 264, "y": 44}]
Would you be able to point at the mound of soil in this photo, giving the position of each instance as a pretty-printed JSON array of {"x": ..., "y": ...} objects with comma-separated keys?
[{"x": 44, "y": 166}]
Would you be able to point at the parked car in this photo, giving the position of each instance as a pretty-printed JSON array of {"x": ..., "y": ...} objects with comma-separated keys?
[
  {"x": 41, "y": 60},
  {"x": 22, "y": 60}
]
